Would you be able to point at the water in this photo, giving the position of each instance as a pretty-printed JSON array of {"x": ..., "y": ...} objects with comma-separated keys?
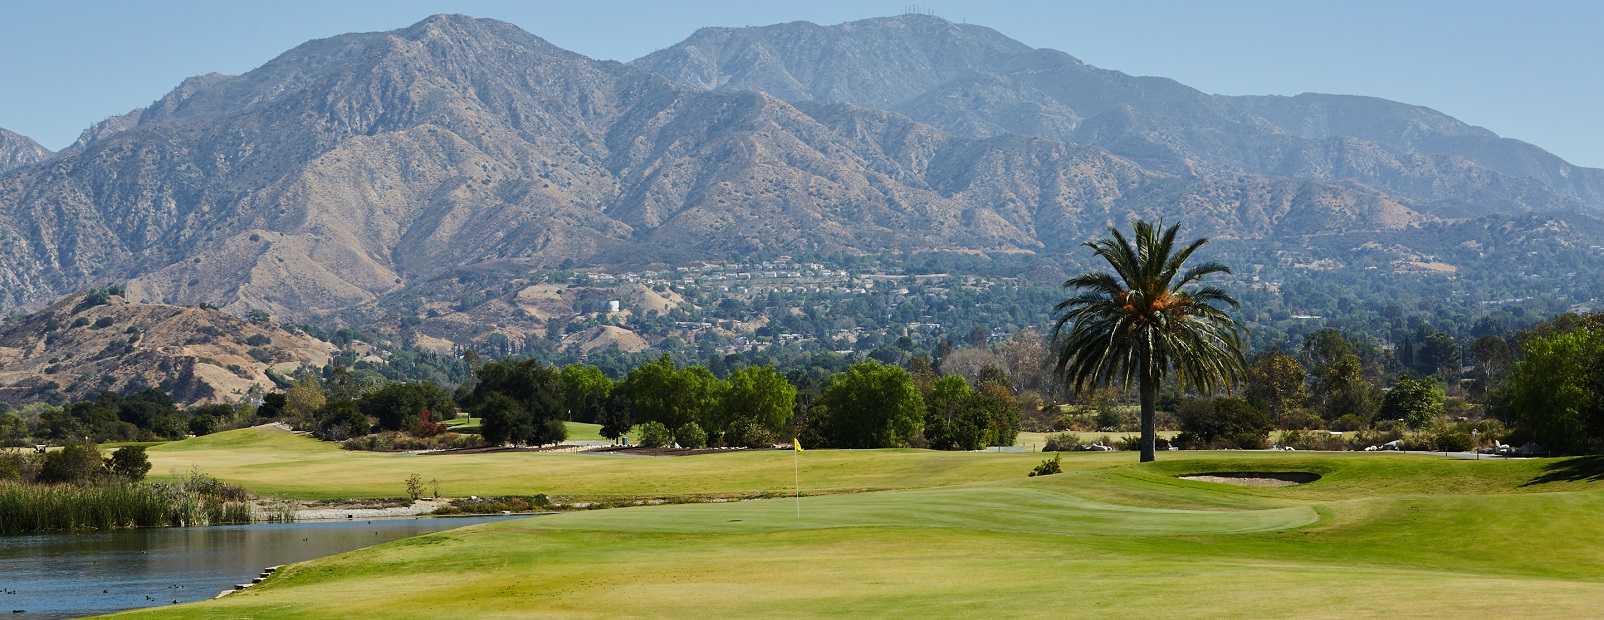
[{"x": 63, "y": 575}]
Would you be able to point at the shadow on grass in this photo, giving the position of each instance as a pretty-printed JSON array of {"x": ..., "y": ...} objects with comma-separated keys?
[{"x": 1578, "y": 469}]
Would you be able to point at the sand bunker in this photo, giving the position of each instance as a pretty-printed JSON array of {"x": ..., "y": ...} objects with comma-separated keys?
[{"x": 1256, "y": 479}]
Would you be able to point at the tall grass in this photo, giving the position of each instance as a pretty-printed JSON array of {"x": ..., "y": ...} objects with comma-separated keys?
[{"x": 196, "y": 501}]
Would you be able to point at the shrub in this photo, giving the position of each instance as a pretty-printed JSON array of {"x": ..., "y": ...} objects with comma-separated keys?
[
  {"x": 691, "y": 436},
  {"x": 1452, "y": 441},
  {"x": 1223, "y": 423},
  {"x": 655, "y": 435},
  {"x": 104, "y": 322},
  {"x": 415, "y": 487},
  {"x": 1062, "y": 442},
  {"x": 75, "y": 464},
  {"x": 1349, "y": 422},
  {"x": 749, "y": 434},
  {"x": 1132, "y": 442},
  {"x": 202, "y": 424},
  {"x": 1048, "y": 467},
  {"x": 258, "y": 340},
  {"x": 129, "y": 463},
  {"x": 397, "y": 441},
  {"x": 1303, "y": 419},
  {"x": 422, "y": 426}
]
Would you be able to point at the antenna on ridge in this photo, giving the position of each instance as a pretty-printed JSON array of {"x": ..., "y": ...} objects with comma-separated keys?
[{"x": 914, "y": 9}]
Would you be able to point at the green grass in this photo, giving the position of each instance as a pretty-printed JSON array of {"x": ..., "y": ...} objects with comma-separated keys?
[
  {"x": 269, "y": 461},
  {"x": 967, "y": 535}
]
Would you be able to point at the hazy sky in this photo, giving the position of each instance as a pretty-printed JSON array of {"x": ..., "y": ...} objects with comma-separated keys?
[{"x": 1527, "y": 70}]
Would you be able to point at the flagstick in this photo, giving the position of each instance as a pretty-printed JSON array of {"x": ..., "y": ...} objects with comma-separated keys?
[{"x": 796, "y": 463}]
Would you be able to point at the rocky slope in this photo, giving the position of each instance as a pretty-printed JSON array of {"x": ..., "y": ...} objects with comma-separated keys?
[
  {"x": 973, "y": 81},
  {"x": 353, "y": 171},
  {"x": 75, "y": 350},
  {"x": 17, "y": 150}
]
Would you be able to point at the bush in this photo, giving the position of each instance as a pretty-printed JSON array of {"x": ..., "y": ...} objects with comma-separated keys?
[
  {"x": 691, "y": 436},
  {"x": 1452, "y": 441},
  {"x": 655, "y": 435},
  {"x": 202, "y": 424},
  {"x": 1223, "y": 423},
  {"x": 258, "y": 340},
  {"x": 1062, "y": 442},
  {"x": 1349, "y": 422},
  {"x": 749, "y": 434},
  {"x": 73, "y": 464},
  {"x": 397, "y": 441},
  {"x": 129, "y": 463},
  {"x": 1049, "y": 467},
  {"x": 1303, "y": 419}
]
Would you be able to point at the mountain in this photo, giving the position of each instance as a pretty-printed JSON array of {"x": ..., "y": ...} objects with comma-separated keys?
[
  {"x": 78, "y": 348},
  {"x": 972, "y": 81},
  {"x": 351, "y": 174},
  {"x": 17, "y": 150}
]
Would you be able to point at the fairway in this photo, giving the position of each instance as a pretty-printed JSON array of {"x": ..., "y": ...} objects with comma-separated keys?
[{"x": 963, "y": 535}]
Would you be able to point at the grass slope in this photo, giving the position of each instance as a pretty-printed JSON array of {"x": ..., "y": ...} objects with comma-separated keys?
[
  {"x": 1379, "y": 535},
  {"x": 275, "y": 462}
]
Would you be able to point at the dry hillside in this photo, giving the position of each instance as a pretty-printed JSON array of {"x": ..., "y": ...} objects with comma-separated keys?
[{"x": 75, "y": 349}]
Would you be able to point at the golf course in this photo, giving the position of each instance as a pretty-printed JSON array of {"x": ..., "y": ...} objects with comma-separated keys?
[{"x": 916, "y": 533}]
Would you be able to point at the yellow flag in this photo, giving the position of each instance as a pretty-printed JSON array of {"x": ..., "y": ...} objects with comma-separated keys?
[{"x": 797, "y": 445}]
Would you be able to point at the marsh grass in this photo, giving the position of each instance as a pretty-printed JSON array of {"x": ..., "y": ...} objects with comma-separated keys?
[{"x": 196, "y": 500}]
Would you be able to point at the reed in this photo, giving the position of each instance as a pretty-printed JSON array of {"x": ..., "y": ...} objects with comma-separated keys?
[{"x": 45, "y": 508}]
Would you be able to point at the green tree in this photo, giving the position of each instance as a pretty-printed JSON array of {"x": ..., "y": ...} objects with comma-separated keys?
[
  {"x": 76, "y": 463},
  {"x": 502, "y": 419},
  {"x": 1276, "y": 384},
  {"x": 1147, "y": 321},
  {"x": 396, "y": 404},
  {"x": 1415, "y": 401},
  {"x": 1491, "y": 356},
  {"x": 660, "y": 392},
  {"x": 1344, "y": 390},
  {"x": 655, "y": 435},
  {"x": 1439, "y": 356},
  {"x": 537, "y": 391},
  {"x": 1555, "y": 394},
  {"x": 760, "y": 395},
  {"x": 945, "y": 405},
  {"x": 615, "y": 417},
  {"x": 129, "y": 463},
  {"x": 1222, "y": 423},
  {"x": 581, "y": 384},
  {"x": 872, "y": 405}
]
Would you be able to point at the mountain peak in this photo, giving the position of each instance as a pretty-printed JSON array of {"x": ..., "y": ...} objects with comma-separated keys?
[{"x": 17, "y": 150}]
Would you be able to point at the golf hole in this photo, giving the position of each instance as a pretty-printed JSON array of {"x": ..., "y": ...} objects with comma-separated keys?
[{"x": 1255, "y": 478}]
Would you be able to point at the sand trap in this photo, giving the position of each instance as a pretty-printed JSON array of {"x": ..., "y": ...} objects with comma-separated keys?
[{"x": 1256, "y": 479}]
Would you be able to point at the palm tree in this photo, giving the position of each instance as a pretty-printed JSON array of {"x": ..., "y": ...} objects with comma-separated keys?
[{"x": 1147, "y": 320}]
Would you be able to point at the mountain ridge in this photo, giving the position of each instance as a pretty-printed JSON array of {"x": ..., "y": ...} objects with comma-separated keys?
[
  {"x": 1155, "y": 121},
  {"x": 341, "y": 177}
]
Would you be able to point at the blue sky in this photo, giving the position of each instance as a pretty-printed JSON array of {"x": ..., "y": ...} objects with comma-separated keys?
[{"x": 1527, "y": 70}]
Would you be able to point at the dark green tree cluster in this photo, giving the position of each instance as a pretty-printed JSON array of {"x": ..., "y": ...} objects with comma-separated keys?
[
  {"x": 398, "y": 405},
  {"x": 1222, "y": 423},
  {"x": 752, "y": 408},
  {"x": 146, "y": 415},
  {"x": 519, "y": 402},
  {"x": 1554, "y": 395},
  {"x": 960, "y": 418}
]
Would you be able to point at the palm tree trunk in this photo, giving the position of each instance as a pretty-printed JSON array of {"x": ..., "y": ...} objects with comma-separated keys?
[{"x": 1149, "y": 396}]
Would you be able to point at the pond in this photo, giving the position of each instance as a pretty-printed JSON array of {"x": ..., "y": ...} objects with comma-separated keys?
[{"x": 68, "y": 575}]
